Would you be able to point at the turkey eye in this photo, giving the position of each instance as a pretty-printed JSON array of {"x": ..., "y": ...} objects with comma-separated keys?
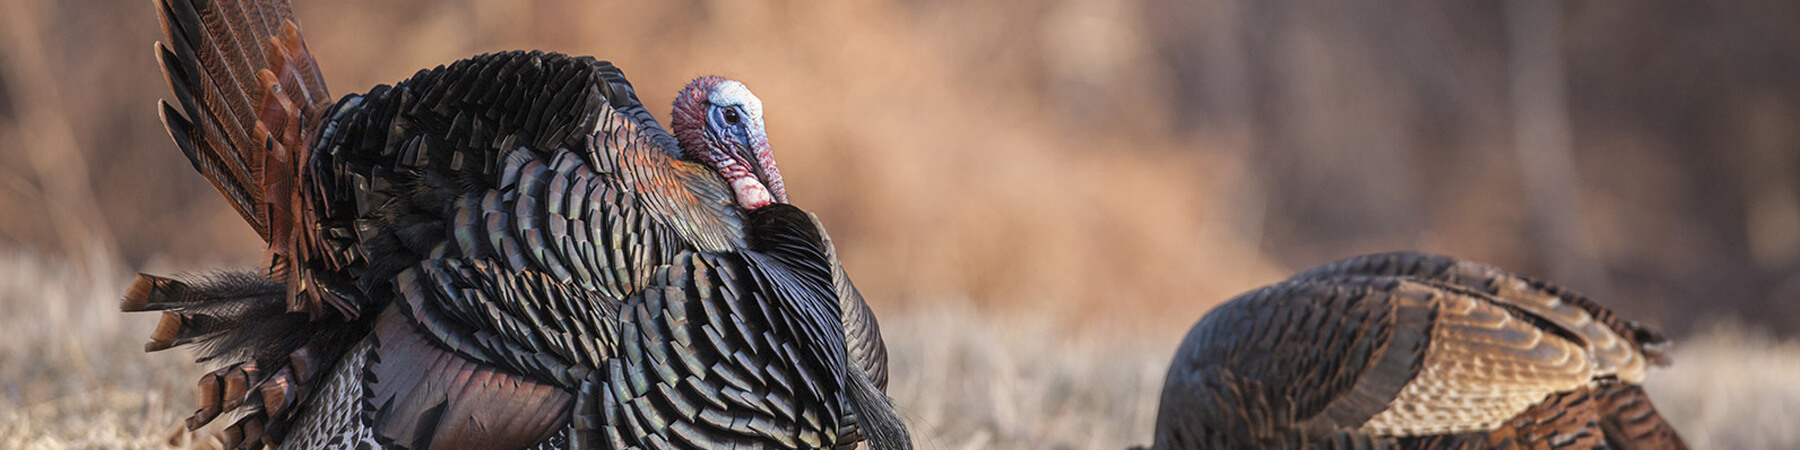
[{"x": 731, "y": 116}]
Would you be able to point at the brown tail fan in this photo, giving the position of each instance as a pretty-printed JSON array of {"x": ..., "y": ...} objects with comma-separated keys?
[{"x": 246, "y": 94}]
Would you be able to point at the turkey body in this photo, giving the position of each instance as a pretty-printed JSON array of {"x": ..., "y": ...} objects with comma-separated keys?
[
  {"x": 561, "y": 263},
  {"x": 1405, "y": 350},
  {"x": 503, "y": 252}
]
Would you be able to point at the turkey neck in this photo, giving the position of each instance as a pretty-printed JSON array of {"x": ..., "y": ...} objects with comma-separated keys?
[{"x": 689, "y": 198}]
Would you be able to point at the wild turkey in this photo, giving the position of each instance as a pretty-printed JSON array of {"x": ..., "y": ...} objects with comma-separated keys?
[
  {"x": 1403, "y": 350},
  {"x": 504, "y": 252}
]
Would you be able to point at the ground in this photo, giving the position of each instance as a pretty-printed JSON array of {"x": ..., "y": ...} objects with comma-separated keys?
[{"x": 72, "y": 375}]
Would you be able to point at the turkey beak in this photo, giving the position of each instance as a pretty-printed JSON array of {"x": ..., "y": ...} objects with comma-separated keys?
[{"x": 762, "y": 162}]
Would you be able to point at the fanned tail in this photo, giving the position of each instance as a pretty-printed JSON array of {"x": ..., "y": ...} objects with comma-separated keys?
[
  {"x": 272, "y": 359},
  {"x": 246, "y": 93},
  {"x": 246, "y": 96}
]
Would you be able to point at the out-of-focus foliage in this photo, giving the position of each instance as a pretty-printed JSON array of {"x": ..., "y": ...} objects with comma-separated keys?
[{"x": 1129, "y": 161}]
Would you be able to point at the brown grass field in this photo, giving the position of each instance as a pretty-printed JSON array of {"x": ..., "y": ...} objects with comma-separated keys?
[{"x": 72, "y": 376}]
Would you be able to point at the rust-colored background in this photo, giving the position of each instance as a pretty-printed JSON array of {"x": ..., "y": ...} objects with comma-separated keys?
[{"x": 1111, "y": 160}]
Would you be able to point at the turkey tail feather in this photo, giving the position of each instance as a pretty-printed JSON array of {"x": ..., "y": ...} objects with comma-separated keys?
[
  {"x": 246, "y": 91},
  {"x": 272, "y": 359},
  {"x": 213, "y": 57}
]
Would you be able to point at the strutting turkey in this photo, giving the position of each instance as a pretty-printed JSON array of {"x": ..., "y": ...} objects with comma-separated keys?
[
  {"x": 1405, "y": 350},
  {"x": 505, "y": 252}
]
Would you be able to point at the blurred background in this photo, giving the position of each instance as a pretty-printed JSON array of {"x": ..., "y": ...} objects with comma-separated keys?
[{"x": 1098, "y": 171}]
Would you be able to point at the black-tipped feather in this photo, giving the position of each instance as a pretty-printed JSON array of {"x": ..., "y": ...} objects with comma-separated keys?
[
  {"x": 217, "y": 119},
  {"x": 239, "y": 320}
]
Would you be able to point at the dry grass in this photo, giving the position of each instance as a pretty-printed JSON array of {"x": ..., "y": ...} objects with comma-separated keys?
[
  {"x": 72, "y": 370},
  {"x": 972, "y": 381},
  {"x": 72, "y": 375},
  {"x": 1732, "y": 388}
]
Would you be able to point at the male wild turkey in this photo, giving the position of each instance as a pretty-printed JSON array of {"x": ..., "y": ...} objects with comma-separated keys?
[
  {"x": 504, "y": 252},
  {"x": 1404, "y": 350}
]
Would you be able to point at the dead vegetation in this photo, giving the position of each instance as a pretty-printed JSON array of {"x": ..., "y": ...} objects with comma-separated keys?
[{"x": 72, "y": 376}]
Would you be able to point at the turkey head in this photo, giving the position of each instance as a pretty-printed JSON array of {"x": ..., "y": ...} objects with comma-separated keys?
[{"x": 719, "y": 123}]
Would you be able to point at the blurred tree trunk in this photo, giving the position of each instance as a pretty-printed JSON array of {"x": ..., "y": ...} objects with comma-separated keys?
[{"x": 1542, "y": 141}]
